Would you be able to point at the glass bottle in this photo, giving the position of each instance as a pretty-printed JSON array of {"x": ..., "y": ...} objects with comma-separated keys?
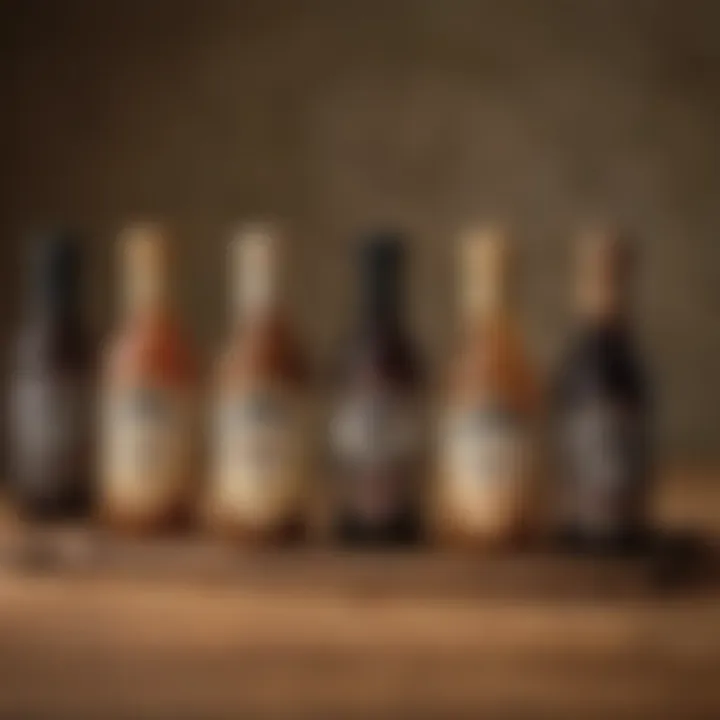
[
  {"x": 602, "y": 406},
  {"x": 376, "y": 427},
  {"x": 52, "y": 385},
  {"x": 148, "y": 460},
  {"x": 261, "y": 434},
  {"x": 487, "y": 489}
]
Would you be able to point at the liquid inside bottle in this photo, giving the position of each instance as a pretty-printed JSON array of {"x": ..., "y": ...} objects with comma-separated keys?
[
  {"x": 148, "y": 461},
  {"x": 51, "y": 388},
  {"x": 261, "y": 433},
  {"x": 488, "y": 454},
  {"x": 376, "y": 428},
  {"x": 602, "y": 407}
]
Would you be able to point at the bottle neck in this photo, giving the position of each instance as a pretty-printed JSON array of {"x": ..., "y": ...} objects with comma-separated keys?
[
  {"x": 54, "y": 290},
  {"x": 55, "y": 298},
  {"x": 602, "y": 298},
  {"x": 483, "y": 298},
  {"x": 254, "y": 279},
  {"x": 601, "y": 331},
  {"x": 484, "y": 277},
  {"x": 146, "y": 286},
  {"x": 603, "y": 316},
  {"x": 603, "y": 279},
  {"x": 381, "y": 298}
]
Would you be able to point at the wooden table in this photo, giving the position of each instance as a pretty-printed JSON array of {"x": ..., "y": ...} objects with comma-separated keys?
[{"x": 190, "y": 630}]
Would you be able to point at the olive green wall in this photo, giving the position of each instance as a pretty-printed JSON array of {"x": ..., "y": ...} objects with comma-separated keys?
[{"x": 336, "y": 115}]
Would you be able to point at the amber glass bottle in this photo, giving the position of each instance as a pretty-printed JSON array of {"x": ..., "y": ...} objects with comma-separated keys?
[
  {"x": 148, "y": 454},
  {"x": 376, "y": 428},
  {"x": 259, "y": 482},
  {"x": 51, "y": 388},
  {"x": 603, "y": 407},
  {"x": 488, "y": 465}
]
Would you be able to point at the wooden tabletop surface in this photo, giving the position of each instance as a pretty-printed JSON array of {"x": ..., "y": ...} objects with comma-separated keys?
[{"x": 187, "y": 630}]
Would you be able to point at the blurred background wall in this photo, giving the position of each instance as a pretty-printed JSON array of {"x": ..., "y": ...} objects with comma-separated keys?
[{"x": 334, "y": 116}]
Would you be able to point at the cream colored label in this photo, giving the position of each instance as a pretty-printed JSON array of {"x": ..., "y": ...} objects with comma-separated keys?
[
  {"x": 149, "y": 447},
  {"x": 487, "y": 465},
  {"x": 259, "y": 456}
]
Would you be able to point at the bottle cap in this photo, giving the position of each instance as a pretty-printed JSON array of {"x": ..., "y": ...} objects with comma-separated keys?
[
  {"x": 145, "y": 249},
  {"x": 486, "y": 259},
  {"x": 605, "y": 260},
  {"x": 253, "y": 262},
  {"x": 56, "y": 263},
  {"x": 381, "y": 259}
]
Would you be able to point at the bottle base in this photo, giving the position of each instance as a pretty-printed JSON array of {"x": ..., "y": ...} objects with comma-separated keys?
[
  {"x": 627, "y": 542},
  {"x": 165, "y": 521},
  {"x": 509, "y": 539},
  {"x": 404, "y": 532},
  {"x": 282, "y": 534},
  {"x": 71, "y": 507}
]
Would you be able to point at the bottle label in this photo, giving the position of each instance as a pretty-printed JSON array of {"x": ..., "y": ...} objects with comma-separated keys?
[
  {"x": 51, "y": 429},
  {"x": 376, "y": 440},
  {"x": 149, "y": 447},
  {"x": 604, "y": 458},
  {"x": 259, "y": 456},
  {"x": 487, "y": 465}
]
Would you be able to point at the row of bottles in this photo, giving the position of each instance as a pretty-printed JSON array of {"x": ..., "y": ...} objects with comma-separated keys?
[{"x": 484, "y": 477}]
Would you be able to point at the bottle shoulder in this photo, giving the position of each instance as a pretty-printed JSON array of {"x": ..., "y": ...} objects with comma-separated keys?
[
  {"x": 47, "y": 346},
  {"x": 265, "y": 352},
  {"x": 602, "y": 362},
  {"x": 492, "y": 361},
  {"x": 158, "y": 350},
  {"x": 383, "y": 356}
]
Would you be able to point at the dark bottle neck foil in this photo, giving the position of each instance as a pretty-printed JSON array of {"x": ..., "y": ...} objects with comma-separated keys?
[
  {"x": 55, "y": 276},
  {"x": 382, "y": 277}
]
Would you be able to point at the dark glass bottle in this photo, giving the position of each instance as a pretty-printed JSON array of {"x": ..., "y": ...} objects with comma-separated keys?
[
  {"x": 51, "y": 388},
  {"x": 603, "y": 409},
  {"x": 376, "y": 427}
]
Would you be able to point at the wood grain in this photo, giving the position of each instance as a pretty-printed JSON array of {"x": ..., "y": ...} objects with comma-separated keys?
[{"x": 320, "y": 635}]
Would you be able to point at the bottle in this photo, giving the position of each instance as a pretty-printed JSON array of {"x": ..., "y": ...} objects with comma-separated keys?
[
  {"x": 259, "y": 481},
  {"x": 375, "y": 430},
  {"x": 148, "y": 461},
  {"x": 487, "y": 489},
  {"x": 602, "y": 407},
  {"x": 52, "y": 384}
]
